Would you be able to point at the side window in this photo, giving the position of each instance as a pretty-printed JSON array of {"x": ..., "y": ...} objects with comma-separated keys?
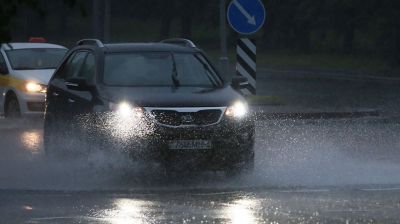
[
  {"x": 73, "y": 65},
  {"x": 88, "y": 68},
  {"x": 3, "y": 65}
]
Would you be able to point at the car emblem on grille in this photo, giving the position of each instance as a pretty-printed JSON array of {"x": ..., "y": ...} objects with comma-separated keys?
[{"x": 187, "y": 119}]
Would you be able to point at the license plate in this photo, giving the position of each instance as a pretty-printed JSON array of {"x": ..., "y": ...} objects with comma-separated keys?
[{"x": 189, "y": 144}]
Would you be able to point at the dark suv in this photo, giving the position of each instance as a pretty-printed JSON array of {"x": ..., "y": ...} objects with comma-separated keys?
[{"x": 162, "y": 102}]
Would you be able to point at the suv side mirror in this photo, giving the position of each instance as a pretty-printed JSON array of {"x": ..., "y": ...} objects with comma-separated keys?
[
  {"x": 3, "y": 69},
  {"x": 78, "y": 84},
  {"x": 239, "y": 82}
]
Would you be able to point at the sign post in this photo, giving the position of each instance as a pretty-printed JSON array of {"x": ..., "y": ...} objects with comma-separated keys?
[
  {"x": 246, "y": 17},
  {"x": 223, "y": 60}
]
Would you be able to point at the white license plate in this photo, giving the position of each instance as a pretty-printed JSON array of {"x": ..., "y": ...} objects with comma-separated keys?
[{"x": 189, "y": 144}]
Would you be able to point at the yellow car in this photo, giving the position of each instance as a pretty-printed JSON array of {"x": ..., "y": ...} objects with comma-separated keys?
[{"x": 25, "y": 70}]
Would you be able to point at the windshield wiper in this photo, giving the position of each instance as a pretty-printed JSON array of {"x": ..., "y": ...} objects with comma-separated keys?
[{"x": 174, "y": 73}]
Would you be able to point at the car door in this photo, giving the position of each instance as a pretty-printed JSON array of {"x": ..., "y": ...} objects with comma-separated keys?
[
  {"x": 81, "y": 101},
  {"x": 58, "y": 93}
]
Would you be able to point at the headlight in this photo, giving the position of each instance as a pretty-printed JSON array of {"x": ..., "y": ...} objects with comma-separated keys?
[
  {"x": 125, "y": 120},
  {"x": 33, "y": 87},
  {"x": 125, "y": 110},
  {"x": 237, "y": 110}
]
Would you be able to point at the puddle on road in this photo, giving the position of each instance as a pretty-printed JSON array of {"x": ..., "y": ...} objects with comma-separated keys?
[{"x": 288, "y": 154}]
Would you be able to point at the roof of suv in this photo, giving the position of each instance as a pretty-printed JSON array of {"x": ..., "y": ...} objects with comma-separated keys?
[{"x": 124, "y": 47}]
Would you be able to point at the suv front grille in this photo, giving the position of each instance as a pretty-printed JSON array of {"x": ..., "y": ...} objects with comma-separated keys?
[{"x": 177, "y": 117}]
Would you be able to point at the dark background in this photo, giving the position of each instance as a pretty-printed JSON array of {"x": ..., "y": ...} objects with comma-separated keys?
[{"x": 350, "y": 35}]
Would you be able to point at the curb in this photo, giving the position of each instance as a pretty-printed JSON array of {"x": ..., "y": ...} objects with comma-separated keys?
[{"x": 295, "y": 74}]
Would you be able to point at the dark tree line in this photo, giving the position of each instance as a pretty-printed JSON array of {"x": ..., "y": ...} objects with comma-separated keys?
[
  {"x": 188, "y": 13},
  {"x": 35, "y": 13},
  {"x": 334, "y": 26},
  {"x": 8, "y": 9},
  {"x": 343, "y": 26}
]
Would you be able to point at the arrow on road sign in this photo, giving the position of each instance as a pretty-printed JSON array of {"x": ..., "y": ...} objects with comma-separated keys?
[
  {"x": 246, "y": 16},
  {"x": 250, "y": 19}
]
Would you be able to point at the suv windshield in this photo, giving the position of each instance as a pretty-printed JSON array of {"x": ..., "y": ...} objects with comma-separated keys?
[
  {"x": 35, "y": 58},
  {"x": 159, "y": 69}
]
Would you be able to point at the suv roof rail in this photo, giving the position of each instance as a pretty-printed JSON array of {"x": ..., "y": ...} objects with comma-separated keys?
[
  {"x": 179, "y": 41},
  {"x": 90, "y": 42}
]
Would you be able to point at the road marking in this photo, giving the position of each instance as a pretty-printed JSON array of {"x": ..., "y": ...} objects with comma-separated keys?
[
  {"x": 381, "y": 189},
  {"x": 305, "y": 191},
  {"x": 54, "y": 218},
  {"x": 65, "y": 217}
]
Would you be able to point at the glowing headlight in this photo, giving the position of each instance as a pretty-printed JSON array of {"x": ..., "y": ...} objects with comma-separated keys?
[
  {"x": 237, "y": 110},
  {"x": 34, "y": 87},
  {"x": 125, "y": 109}
]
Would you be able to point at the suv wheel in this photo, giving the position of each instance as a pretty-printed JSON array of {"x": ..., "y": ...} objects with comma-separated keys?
[{"x": 12, "y": 109}]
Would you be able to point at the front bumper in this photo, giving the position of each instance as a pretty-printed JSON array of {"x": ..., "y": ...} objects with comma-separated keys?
[
  {"x": 231, "y": 144},
  {"x": 31, "y": 104}
]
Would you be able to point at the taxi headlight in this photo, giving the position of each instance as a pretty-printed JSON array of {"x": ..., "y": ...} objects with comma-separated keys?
[
  {"x": 33, "y": 87},
  {"x": 126, "y": 110},
  {"x": 237, "y": 110}
]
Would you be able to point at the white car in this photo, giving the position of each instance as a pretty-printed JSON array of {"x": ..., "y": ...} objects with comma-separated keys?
[{"x": 25, "y": 70}]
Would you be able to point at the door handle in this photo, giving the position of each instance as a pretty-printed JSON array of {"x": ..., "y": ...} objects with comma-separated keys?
[
  {"x": 55, "y": 94},
  {"x": 71, "y": 100}
]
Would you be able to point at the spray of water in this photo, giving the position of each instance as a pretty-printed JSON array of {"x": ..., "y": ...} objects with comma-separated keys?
[
  {"x": 327, "y": 153},
  {"x": 289, "y": 153}
]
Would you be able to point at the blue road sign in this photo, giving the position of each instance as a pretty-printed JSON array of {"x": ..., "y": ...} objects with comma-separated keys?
[{"x": 246, "y": 16}]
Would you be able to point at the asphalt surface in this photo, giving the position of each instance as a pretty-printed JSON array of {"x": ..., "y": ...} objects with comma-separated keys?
[
  {"x": 330, "y": 92},
  {"x": 307, "y": 171}
]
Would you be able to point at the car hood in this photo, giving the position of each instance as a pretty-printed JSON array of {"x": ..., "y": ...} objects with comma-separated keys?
[
  {"x": 41, "y": 76},
  {"x": 172, "y": 97}
]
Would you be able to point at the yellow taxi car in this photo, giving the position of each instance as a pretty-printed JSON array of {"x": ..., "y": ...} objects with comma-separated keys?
[{"x": 25, "y": 70}]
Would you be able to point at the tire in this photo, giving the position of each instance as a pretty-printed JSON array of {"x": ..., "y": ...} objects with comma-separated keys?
[{"x": 12, "y": 109}]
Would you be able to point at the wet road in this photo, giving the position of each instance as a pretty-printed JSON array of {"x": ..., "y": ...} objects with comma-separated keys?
[
  {"x": 242, "y": 206},
  {"x": 340, "y": 94},
  {"x": 307, "y": 171}
]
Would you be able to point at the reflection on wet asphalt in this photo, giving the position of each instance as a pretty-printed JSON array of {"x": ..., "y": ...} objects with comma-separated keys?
[
  {"x": 344, "y": 171},
  {"x": 242, "y": 207},
  {"x": 21, "y": 138}
]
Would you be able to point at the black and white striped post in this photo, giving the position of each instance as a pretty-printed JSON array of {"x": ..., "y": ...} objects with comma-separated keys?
[
  {"x": 246, "y": 63},
  {"x": 246, "y": 17}
]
